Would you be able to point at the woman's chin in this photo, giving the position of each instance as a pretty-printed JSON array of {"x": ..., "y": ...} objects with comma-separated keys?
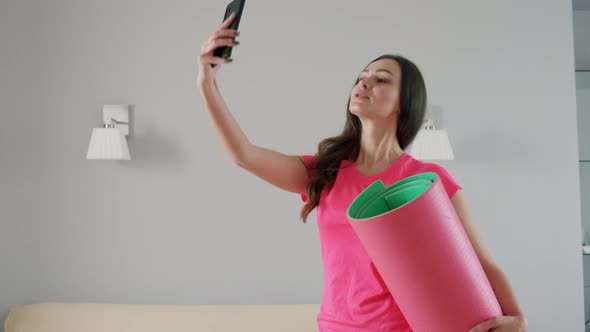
[{"x": 358, "y": 111}]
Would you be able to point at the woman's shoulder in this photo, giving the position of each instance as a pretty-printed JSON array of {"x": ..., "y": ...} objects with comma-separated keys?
[
  {"x": 422, "y": 166},
  {"x": 310, "y": 161},
  {"x": 415, "y": 166}
]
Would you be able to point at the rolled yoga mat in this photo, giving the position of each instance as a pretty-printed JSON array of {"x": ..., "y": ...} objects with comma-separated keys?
[{"x": 417, "y": 242}]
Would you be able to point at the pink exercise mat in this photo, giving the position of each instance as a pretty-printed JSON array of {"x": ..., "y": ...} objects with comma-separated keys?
[{"x": 419, "y": 246}]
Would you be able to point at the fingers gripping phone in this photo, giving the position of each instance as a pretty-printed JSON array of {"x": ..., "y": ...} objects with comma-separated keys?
[{"x": 236, "y": 6}]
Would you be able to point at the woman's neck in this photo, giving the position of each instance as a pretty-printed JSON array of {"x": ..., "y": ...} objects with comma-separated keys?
[{"x": 378, "y": 148}]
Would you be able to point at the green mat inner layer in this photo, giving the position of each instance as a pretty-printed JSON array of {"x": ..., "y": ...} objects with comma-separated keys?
[{"x": 376, "y": 199}]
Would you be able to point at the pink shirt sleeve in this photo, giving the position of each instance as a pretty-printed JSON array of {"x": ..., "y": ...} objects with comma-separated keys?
[
  {"x": 451, "y": 186},
  {"x": 307, "y": 160}
]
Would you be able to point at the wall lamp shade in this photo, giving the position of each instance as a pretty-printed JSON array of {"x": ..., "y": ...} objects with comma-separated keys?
[
  {"x": 110, "y": 142},
  {"x": 432, "y": 144}
]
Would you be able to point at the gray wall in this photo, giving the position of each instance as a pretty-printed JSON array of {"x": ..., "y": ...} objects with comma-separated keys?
[
  {"x": 583, "y": 107},
  {"x": 180, "y": 224},
  {"x": 20, "y": 133},
  {"x": 579, "y": 5},
  {"x": 581, "y": 21}
]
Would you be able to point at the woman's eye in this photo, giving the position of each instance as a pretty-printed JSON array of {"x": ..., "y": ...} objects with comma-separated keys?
[{"x": 380, "y": 80}]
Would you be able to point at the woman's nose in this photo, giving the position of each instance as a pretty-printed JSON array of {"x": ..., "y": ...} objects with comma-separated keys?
[
  {"x": 364, "y": 83},
  {"x": 367, "y": 83}
]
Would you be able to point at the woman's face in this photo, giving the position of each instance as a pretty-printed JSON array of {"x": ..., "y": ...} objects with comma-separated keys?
[{"x": 376, "y": 95}]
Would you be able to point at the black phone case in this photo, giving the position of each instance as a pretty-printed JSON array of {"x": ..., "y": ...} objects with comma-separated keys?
[{"x": 234, "y": 6}]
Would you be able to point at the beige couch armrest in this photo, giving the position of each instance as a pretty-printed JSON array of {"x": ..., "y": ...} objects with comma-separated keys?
[{"x": 92, "y": 317}]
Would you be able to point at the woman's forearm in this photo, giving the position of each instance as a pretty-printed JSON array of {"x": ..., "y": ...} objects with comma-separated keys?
[
  {"x": 226, "y": 127},
  {"x": 504, "y": 292}
]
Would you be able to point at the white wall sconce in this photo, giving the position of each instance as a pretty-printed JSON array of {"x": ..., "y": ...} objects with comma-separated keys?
[
  {"x": 431, "y": 143},
  {"x": 110, "y": 142}
]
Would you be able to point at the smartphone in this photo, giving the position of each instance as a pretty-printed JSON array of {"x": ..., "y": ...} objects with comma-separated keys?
[{"x": 236, "y": 6}]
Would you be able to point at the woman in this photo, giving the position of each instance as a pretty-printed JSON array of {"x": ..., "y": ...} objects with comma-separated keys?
[{"x": 385, "y": 112}]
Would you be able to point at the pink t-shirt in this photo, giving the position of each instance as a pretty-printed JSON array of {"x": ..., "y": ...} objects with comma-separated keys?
[{"x": 355, "y": 298}]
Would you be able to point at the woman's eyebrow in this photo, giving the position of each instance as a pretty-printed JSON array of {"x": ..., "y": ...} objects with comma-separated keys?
[{"x": 378, "y": 70}]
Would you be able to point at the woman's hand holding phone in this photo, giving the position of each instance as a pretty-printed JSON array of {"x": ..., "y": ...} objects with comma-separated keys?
[{"x": 208, "y": 63}]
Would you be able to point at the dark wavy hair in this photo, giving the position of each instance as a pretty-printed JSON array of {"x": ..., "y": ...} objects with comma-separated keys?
[{"x": 346, "y": 146}]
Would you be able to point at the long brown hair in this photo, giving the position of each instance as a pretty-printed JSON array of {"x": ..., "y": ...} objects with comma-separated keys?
[{"x": 346, "y": 146}]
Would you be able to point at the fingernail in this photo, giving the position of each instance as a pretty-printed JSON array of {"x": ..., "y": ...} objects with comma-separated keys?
[
  {"x": 230, "y": 60},
  {"x": 236, "y": 42}
]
